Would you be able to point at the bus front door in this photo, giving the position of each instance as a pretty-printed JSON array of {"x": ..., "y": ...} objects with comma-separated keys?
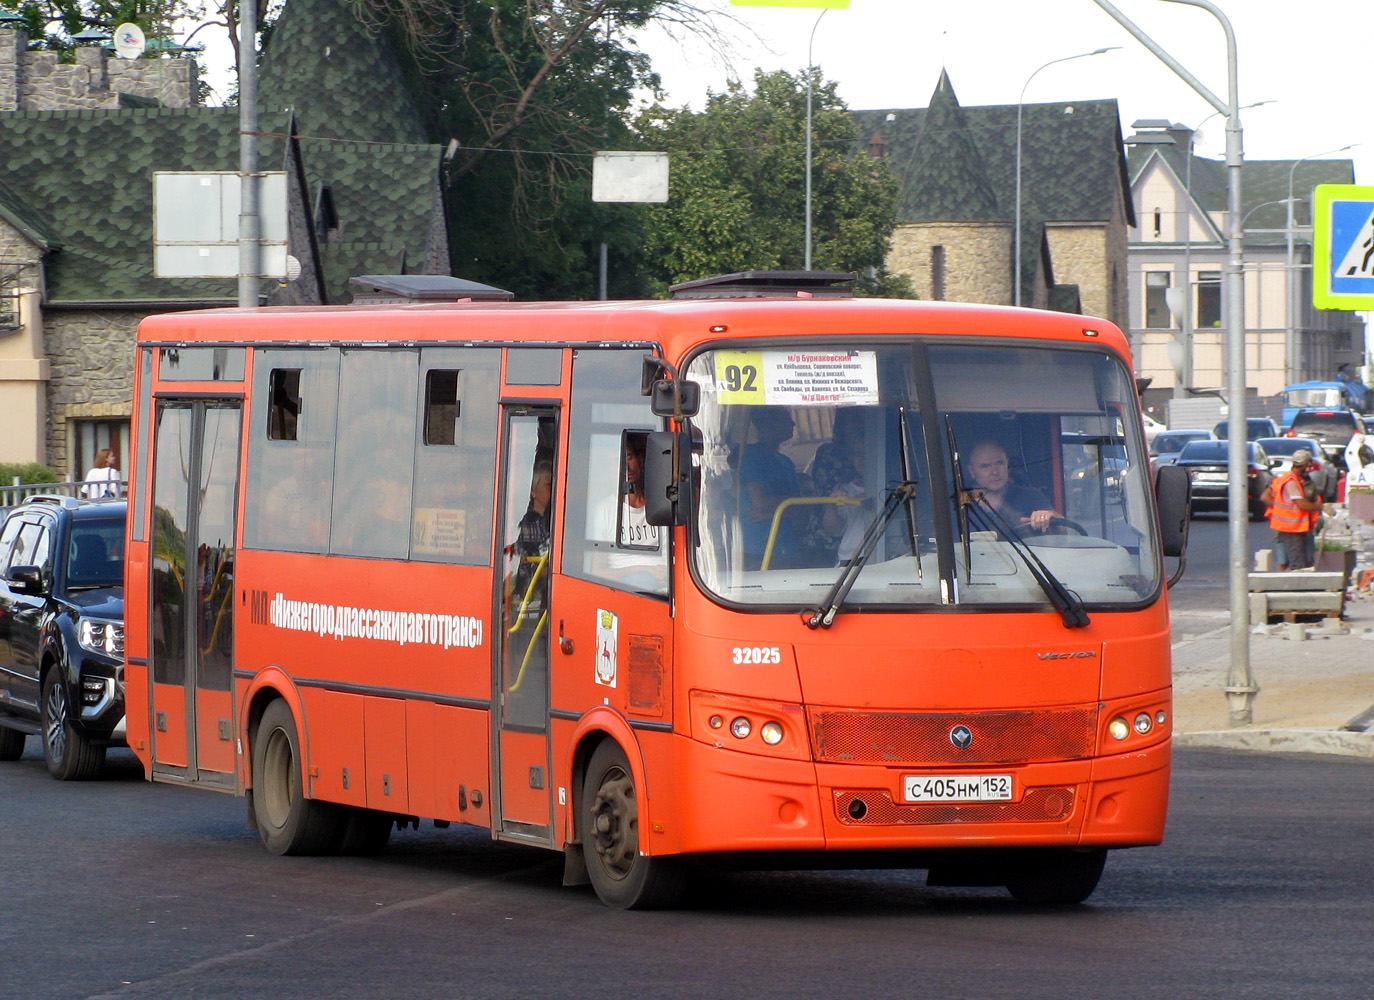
[
  {"x": 522, "y": 809},
  {"x": 191, "y": 607}
]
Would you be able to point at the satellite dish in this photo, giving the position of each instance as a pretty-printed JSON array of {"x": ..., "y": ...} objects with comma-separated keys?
[{"x": 129, "y": 42}]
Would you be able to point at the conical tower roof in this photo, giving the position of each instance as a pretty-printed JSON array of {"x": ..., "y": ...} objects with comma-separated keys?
[
  {"x": 342, "y": 80},
  {"x": 947, "y": 181}
]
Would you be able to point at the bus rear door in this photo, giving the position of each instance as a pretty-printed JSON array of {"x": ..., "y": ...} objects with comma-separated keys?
[{"x": 191, "y": 607}]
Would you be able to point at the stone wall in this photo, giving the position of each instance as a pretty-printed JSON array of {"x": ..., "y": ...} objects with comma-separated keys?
[
  {"x": 977, "y": 259},
  {"x": 91, "y": 354},
  {"x": 37, "y": 81}
]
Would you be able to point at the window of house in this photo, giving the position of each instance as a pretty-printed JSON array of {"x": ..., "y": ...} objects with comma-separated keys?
[
  {"x": 1156, "y": 304},
  {"x": 1208, "y": 311},
  {"x": 1159, "y": 221},
  {"x": 937, "y": 273},
  {"x": 90, "y": 436}
]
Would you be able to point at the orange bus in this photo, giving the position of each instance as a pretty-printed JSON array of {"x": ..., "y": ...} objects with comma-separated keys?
[{"x": 765, "y": 576}]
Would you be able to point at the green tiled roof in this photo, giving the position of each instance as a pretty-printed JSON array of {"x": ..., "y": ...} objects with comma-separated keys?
[
  {"x": 82, "y": 180},
  {"x": 89, "y": 174},
  {"x": 343, "y": 81},
  {"x": 1072, "y": 166}
]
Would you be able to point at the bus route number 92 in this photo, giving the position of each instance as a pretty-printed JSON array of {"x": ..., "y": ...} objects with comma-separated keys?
[{"x": 757, "y": 654}]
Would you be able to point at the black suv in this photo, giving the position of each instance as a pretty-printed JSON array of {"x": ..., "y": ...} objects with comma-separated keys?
[
  {"x": 1333, "y": 428},
  {"x": 62, "y": 631}
]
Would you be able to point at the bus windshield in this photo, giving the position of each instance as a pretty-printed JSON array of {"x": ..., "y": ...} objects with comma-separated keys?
[{"x": 978, "y": 473}]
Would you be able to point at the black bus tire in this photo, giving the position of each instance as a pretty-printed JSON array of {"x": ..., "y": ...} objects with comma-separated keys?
[
  {"x": 1056, "y": 876},
  {"x": 288, "y": 822},
  {"x": 365, "y": 831},
  {"x": 624, "y": 878}
]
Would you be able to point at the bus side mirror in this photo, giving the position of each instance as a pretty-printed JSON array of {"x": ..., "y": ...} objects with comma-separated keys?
[
  {"x": 667, "y": 475},
  {"x": 1174, "y": 495},
  {"x": 674, "y": 397},
  {"x": 669, "y": 395}
]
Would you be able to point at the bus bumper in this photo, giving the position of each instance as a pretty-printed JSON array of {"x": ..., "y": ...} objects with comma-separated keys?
[{"x": 739, "y": 802}]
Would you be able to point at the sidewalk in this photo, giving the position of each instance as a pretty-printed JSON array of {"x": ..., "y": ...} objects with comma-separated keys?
[{"x": 1311, "y": 690}]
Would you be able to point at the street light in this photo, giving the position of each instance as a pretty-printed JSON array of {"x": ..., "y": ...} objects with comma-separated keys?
[
  {"x": 810, "y": 77},
  {"x": 1291, "y": 354},
  {"x": 1016, "y": 291},
  {"x": 1240, "y": 687}
]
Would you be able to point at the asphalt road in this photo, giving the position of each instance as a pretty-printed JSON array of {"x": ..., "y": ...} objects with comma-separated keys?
[
  {"x": 122, "y": 889},
  {"x": 1206, "y": 579}
]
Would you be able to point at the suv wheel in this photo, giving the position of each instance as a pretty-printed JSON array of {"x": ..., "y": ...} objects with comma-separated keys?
[
  {"x": 68, "y": 754},
  {"x": 11, "y": 744}
]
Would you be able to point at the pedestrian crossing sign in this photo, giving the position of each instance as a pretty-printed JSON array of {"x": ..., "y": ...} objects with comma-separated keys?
[{"x": 1343, "y": 246}]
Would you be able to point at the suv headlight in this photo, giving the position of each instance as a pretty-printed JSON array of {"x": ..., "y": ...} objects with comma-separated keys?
[{"x": 102, "y": 637}]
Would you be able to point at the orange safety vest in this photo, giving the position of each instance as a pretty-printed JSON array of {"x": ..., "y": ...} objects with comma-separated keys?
[{"x": 1283, "y": 516}]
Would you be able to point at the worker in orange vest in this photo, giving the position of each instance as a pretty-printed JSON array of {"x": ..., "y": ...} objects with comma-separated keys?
[{"x": 1291, "y": 514}]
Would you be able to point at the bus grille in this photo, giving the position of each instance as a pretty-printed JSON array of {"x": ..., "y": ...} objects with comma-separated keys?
[
  {"x": 912, "y": 738},
  {"x": 1038, "y": 804}
]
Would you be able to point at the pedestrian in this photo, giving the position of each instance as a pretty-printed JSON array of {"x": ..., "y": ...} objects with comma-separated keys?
[
  {"x": 102, "y": 480},
  {"x": 1291, "y": 514}
]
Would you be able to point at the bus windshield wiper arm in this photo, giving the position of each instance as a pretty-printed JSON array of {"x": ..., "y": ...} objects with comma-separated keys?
[
  {"x": 1065, "y": 601},
  {"x": 824, "y": 616}
]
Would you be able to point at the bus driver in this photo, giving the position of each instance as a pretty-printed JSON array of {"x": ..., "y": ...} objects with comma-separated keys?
[{"x": 1017, "y": 504}]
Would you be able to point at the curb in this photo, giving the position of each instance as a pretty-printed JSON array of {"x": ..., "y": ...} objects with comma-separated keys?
[{"x": 1333, "y": 741}]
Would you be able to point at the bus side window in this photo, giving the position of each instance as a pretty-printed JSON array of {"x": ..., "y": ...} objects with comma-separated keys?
[
  {"x": 290, "y": 484},
  {"x": 455, "y": 456},
  {"x": 608, "y": 540},
  {"x": 372, "y": 479}
]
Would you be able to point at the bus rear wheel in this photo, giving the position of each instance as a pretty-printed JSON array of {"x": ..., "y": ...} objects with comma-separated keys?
[
  {"x": 288, "y": 822},
  {"x": 11, "y": 744},
  {"x": 623, "y": 877},
  {"x": 1063, "y": 876},
  {"x": 365, "y": 831}
]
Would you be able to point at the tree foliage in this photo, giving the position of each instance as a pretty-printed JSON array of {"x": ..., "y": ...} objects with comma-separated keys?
[
  {"x": 738, "y": 187},
  {"x": 527, "y": 91},
  {"x": 51, "y": 24}
]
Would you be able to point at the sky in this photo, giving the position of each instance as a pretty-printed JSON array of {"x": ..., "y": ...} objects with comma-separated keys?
[{"x": 1310, "y": 59}]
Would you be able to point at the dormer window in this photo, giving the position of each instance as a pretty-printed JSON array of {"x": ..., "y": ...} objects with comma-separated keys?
[{"x": 1159, "y": 222}]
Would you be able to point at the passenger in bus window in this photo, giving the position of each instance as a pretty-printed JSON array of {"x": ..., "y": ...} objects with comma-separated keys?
[
  {"x": 619, "y": 519},
  {"x": 532, "y": 535},
  {"x": 835, "y": 471},
  {"x": 768, "y": 477},
  {"x": 991, "y": 473}
]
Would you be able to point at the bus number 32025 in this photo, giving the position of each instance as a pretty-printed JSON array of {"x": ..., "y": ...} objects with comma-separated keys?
[{"x": 758, "y": 654}]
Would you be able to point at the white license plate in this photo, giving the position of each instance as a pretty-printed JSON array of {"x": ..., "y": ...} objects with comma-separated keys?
[
  {"x": 1211, "y": 477},
  {"x": 956, "y": 787}
]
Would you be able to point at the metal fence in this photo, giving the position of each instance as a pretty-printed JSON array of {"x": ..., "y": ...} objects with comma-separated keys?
[{"x": 12, "y": 496}]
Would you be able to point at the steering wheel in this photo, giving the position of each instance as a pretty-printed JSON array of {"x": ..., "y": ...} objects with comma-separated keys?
[{"x": 1025, "y": 530}]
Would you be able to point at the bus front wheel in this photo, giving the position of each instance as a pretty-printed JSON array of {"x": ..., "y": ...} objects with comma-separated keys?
[
  {"x": 1056, "y": 876},
  {"x": 288, "y": 822},
  {"x": 623, "y": 877}
]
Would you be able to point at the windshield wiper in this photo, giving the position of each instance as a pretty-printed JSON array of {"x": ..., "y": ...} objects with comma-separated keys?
[
  {"x": 1065, "y": 601},
  {"x": 824, "y": 616}
]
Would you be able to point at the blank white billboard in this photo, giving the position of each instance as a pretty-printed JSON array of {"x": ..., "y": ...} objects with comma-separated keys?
[{"x": 196, "y": 223}]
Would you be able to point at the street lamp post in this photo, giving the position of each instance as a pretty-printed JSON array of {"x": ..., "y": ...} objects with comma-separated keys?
[
  {"x": 1016, "y": 289},
  {"x": 1240, "y": 686},
  {"x": 1292, "y": 356},
  {"x": 810, "y": 78}
]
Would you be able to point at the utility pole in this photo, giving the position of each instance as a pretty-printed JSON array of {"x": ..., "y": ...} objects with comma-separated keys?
[
  {"x": 250, "y": 247},
  {"x": 1240, "y": 684}
]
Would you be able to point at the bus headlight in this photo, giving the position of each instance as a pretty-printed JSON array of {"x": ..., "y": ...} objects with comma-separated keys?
[
  {"x": 771, "y": 733},
  {"x": 1119, "y": 729},
  {"x": 740, "y": 728},
  {"x": 1143, "y": 723}
]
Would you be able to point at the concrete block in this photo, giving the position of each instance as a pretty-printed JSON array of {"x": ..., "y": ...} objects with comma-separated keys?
[
  {"x": 1259, "y": 609},
  {"x": 1295, "y": 580},
  {"x": 1264, "y": 561}
]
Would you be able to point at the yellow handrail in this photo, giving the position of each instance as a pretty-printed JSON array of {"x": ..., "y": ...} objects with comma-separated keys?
[
  {"x": 529, "y": 590},
  {"x": 800, "y": 502},
  {"x": 538, "y": 628}
]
